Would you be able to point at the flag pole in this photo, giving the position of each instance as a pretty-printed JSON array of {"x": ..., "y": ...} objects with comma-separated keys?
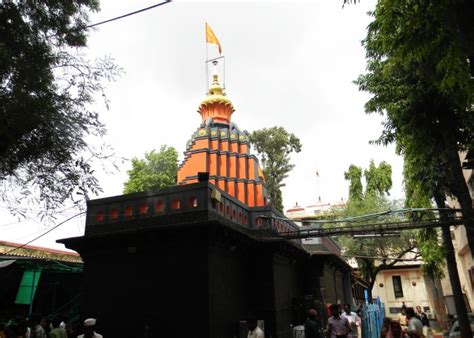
[
  {"x": 205, "y": 37},
  {"x": 207, "y": 57},
  {"x": 317, "y": 185}
]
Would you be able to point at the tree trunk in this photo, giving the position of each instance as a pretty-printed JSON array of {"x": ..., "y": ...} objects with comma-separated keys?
[
  {"x": 433, "y": 287},
  {"x": 461, "y": 310},
  {"x": 461, "y": 191},
  {"x": 458, "y": 186}
]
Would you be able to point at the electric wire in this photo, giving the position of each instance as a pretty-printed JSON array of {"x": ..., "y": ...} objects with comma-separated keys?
[
  {"x": 6, "y": 207},
  {"x": 26, "y": 236},
  {"x": 128, "y": 14},
  {"x": 27, "y": 211},
  {"x": 16, "y": 222},
  {"x": 39, "y": 231},
  {"x": 43, "y": 234}
]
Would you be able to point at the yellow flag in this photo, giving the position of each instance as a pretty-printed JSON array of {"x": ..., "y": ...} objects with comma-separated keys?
[{"x": 211, "y": 38}]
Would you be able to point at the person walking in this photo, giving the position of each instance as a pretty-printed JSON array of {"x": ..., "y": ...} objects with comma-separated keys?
[
  {"x": 415, "y": 327},
  {"x": 391, "y": 329},
  {"x": 423, "y": 317},
  {"x": 312, "y": 329},
  {"x": 37, "y": 330},
  {"x": 337, "y": 326},
  {"x": 386, "y": 328},
  {"x": 354, "y": 321},
  {"x": 254, "y": 330},
  {"x": 402, "y": 317},
  {"x": 89, "y": 326},
  {"x": 57, "y": 331}
]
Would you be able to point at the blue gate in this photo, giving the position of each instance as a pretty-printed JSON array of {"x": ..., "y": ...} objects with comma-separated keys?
[{"x": 372, "y": 319}]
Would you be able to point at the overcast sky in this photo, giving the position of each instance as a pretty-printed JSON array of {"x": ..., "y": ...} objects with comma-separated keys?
[{"x": 288, "y": 64}]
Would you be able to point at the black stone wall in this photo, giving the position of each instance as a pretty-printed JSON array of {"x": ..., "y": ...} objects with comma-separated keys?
[
  {"x": 147, "y": 282},
  {"x": 199, "y": 280}
]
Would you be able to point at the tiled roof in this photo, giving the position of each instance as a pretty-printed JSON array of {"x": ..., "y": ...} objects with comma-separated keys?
[{"x": 8, "y": 249}]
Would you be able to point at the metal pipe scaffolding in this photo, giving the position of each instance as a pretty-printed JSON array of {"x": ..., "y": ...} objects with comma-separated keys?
[{"x": 387, "y": 228}]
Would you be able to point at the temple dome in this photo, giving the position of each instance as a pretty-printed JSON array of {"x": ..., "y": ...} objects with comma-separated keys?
[
  {"x": 296, "y": 208},
  {"x": 216, "y": 105}
]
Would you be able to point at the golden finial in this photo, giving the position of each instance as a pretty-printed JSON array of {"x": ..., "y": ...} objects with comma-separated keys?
[{"x": 216, "y": 105}]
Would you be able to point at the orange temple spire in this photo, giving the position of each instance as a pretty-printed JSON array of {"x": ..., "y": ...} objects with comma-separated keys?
[{"x": 221, "y": 149}]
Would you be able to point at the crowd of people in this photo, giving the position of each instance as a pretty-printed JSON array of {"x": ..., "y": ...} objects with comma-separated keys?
[
  {"x": 410, "y": 324},
  {"x": 36, "y": 326},
  {"x": 343, "y": 324}
]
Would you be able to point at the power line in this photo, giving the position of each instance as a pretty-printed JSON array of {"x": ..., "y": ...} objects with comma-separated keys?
[
  {"x": 25, "y": 236},
  {"x": 43, "y": 234},
  {"x": 16, "y": 222},
  {"x": 128, "y": 14},
  {"x": 29, "y": 211}
]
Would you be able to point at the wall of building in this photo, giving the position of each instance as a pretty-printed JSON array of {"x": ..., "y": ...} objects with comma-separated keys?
[
  {"x": 464, "y": 261},
  {"x": 328, "y": 281},
  {"x": 414, "y": 289},
  {"x": 161, "y": 281},
  {"x": 288, "y": 286},
  {"x": 464, "y": 265},
  {"x": 229, "y": 289},
  {"x": 198, "y": 282}
]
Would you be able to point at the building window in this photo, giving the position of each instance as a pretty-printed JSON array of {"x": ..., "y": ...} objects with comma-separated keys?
[
  {"x": 128, "y": 211},
  {"x": 395, "y": 310},
  {"x": 193, "y": 202},
  {"x": 159, "y": 206},
  {"x": 176, "y": 204},
  {"x": 397, "y": 286}
]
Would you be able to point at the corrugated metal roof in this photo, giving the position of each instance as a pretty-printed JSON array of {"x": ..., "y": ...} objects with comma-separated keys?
[{"x": 11, "y": 249}]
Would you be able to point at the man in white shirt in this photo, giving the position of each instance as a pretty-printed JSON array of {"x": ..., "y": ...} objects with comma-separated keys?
[
  {"x": 89, "y": 325},
  {"x": 354, "y": 321},
  {"x": 36, "y": 329},
  {"x": 254, "y": 330}
]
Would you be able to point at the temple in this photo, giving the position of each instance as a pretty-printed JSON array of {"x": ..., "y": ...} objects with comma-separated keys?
[
  {"x": 196, "y": 259},
  {"x": 221, "y": 149}
]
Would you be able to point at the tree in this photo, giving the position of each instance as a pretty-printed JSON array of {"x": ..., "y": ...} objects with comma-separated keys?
[
  {"x": 46, "y": 90},
  {"x": 420, "y": 72},
  {"x": 156, "y": 171},
  {"x": 274, "y": 147},
  {"x": 428, "y": 239},
  {"x": 416, "y": 196},
  {"x": 374, "y": 254},
  {"x": 354, "y": 176}
]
